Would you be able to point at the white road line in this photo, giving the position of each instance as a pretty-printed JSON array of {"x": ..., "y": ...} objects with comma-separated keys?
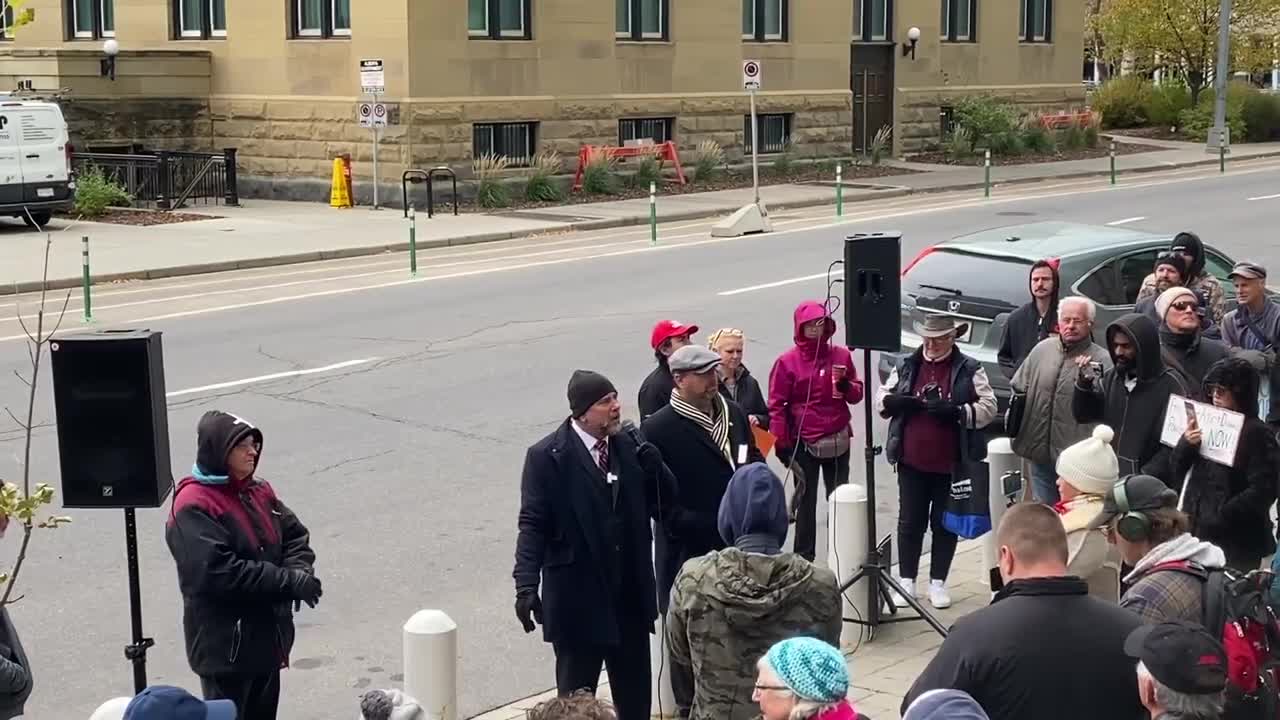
[
  {"x": 1126, "y": 221},
  {"x": 765, "y": 286},
  {"x": 927, "y": 210},
  {"x": 272, "y": 376},
  {"x": 1264, "y": 197}
]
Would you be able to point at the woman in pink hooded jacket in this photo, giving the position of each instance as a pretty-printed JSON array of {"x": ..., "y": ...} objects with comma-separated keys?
[{"x": 811, "y": 388}]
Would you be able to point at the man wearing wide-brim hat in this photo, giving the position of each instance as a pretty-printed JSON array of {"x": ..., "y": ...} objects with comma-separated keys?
[{"x": 936, "y": 399}]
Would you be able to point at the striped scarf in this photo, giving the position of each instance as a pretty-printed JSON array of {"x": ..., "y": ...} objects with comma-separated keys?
[{"x": 718, "y": 428}]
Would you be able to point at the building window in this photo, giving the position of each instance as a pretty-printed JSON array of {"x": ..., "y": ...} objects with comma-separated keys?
[
  {"x": 764, "y": 20},
  {"x": 641, "y": 19},
  {"x": 200, "y": 19},
  {"x": 659, "y": 130},
  {"x": 957, "y": 20},
  {"x": 1035, "y": 20},
  {"x": 91, "y": 19},
  {"x": 321, "y": 18},
  {"x": 515, "y": 141},
  {"x": 500, "y": 19},
  {"x": 774, "y": 131},
  {"x": 871, "y": 21}
]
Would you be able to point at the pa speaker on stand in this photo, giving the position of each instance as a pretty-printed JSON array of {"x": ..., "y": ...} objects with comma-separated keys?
[
  {"x": 113, "y": 440},
  {"x": 873, "y": 321}
]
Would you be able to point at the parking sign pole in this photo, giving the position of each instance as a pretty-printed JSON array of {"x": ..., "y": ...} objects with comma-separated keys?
[
  {"x": 755, "y": 148},
  {"x": 375, "y": 167}
]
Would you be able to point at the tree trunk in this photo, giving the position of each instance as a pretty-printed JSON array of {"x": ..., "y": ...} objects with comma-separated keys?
[{"x": 1195, "y": 83}]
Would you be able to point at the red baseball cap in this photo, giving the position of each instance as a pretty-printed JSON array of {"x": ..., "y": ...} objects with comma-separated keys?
[{"x": 667, "y": 329}]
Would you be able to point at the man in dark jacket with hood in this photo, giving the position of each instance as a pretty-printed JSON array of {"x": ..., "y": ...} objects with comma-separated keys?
[
  {"x": 1044, "y": 648},
  {"x": 729, "y": 607},
  {"x": 1230, "y": 506},
  {"x": 667, "y": 337},
  {"x": 1196, "y": 278},
  {"x": 1033, "y": 322},
  {"x": 1129, "y": 396},
  {"x": 1170, "y": 271},
  {"x": 1185, "y": 350},
  {"x": 243, "y": 560}
]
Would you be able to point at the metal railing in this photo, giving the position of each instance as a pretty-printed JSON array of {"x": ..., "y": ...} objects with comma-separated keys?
[{"x": 167, "y": 179}]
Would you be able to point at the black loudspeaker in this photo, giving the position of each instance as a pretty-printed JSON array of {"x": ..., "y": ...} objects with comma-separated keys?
[
  {"x": 113, "y": 421},
  {"x": 873, "y": 291}
]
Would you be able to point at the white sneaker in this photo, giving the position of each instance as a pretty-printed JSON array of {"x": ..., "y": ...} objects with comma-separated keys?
[
  {"x": 908, "y": 584},
  {"x": 938, "y": 595}
]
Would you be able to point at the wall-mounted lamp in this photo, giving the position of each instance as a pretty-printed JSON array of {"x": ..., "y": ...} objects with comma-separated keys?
[
  {"x": 110, "y": 49},
  {"x": 913, "y": 37}
]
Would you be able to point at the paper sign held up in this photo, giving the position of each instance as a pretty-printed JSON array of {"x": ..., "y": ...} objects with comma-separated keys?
[{"x": 1219, "y": 428}]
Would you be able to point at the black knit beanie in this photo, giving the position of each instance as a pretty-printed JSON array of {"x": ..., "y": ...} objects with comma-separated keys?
[
  {"x": 586, "y": 388},
  {"x": 1174, "y": 261}
]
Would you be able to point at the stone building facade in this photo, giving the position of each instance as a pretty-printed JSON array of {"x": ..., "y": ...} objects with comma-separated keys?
[{"x": 279, "y": 80}]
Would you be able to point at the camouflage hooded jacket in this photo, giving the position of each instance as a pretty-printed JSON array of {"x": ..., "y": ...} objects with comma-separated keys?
[{"x": 728, "y": 608}]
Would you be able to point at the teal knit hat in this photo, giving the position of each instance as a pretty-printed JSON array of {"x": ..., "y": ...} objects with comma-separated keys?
[{"x": 811, "y": 668}]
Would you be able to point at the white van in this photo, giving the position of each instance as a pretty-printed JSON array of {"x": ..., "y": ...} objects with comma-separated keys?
[{"x": 35, "y": 160}]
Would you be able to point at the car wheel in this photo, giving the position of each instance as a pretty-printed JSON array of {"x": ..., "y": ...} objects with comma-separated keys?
[{"x": 36, "y": 219}]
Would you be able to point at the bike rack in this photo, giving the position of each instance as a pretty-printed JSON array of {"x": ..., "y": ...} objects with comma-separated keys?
[
  {"x": 441, "y": 170},
  {"x": 415, "y": 177}
]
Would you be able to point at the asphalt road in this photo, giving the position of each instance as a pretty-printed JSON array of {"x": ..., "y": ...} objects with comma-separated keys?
[{"x": 405, "y": 463}]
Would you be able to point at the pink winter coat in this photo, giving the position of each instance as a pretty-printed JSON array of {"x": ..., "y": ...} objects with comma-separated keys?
[{"x": 801, "y": 389}]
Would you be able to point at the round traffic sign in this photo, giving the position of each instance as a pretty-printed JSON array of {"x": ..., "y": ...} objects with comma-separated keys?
[
  {"x": 380, "y": 110},
  {"x": 365, "y": 110},
  {"x": 751, "y": 69}
]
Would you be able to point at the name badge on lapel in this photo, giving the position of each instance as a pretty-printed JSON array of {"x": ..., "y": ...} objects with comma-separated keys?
[
  {"x": 611, "y": 478},
  {"x": 742, "y": 454}
]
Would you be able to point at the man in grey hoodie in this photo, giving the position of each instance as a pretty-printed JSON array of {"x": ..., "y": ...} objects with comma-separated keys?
[
  {"x": 1170, "y": 565},
  {"x": 730, "y": 606}
]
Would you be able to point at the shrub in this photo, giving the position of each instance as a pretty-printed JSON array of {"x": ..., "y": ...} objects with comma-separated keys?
[
  {"x": 540, "y": 186},
  {"x": 983, "y": 116},
  {"x": 1037, "y": 139},
  {"x": 959, "y": 144},
  {"x": 1091, "y": 135},
  {"x": 1196, "y": 122},
  {"x": 96, "y": 192},
  {"x": 783, "y": 163},
  {"x": 599, "y": 176},
  {"x": 1261, "y": 115},
  {"x": 708, "y": 160},
  {"x": 647, "y": 171},
  {"x": 881, "y": 144},
  {"x": 491, "y": 192},
  {"x": 1166, "y": 102},
  {"x": 1123, "y": 101},
  {"x": 1073, "y": 137},
  {"x": 1007, "y": 143}
]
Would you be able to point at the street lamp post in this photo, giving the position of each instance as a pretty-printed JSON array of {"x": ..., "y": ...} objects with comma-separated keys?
[{"x": 1219, "y": 140}]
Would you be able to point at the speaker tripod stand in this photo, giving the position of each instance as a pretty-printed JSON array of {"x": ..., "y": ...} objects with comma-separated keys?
[
  {"x": 135, "y": 652},
  {"x": 881, "y": 584}
]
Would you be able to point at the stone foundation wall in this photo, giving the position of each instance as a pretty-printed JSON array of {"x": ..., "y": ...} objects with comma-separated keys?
[
  {"x": 164, "y": 123},
  {"x": 292, "y": 144},
  {"x": 918, "y": 122}
]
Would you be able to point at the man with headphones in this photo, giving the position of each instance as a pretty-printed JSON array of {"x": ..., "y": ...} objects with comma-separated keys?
[{"x": 1170, "y": 565}]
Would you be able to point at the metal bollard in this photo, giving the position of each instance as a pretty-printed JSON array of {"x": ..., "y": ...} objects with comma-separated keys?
[
  {"x": 986, "y": 183},
  {"x": 1222, "y": 150},
  {"x": 431, "y": 663},
  {"x": 653, "y": 213},
  {"x": 1002, "y": 463},
  {"x": 84, "y": 262},
  {"x": 1113, "y": 162},
  {"x": 847, "y": 551},
  {"x": 839, "y": 190},
  {"x": 413, "y": 242}
]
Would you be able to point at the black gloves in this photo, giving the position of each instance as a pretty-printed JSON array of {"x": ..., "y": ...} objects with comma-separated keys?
[
  {"x": 784, "y": 455},
  {"x": 896, "y": 404},
  {"x": 947, "y": 412},
  {"x": 304, "y": 587},
  {"x": 528, "y": 608},
  {"x": 650, "y": 458}
]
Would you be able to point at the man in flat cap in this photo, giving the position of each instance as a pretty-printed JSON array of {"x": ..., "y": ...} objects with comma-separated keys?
[
  {"x": 1255, "y": 325},
  {"x": 704, "y": 438},
  {"x": 587, "y": 494}
]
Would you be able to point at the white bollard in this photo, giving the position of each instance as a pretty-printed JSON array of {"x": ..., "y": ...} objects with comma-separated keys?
[
  {"x": 847, "y": 551},
  {"x": 431, "y": 663},
  {"x": 1001, "y": 461}
]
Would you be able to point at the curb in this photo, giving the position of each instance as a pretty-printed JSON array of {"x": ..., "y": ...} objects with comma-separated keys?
[{"x": 342, "y": 253}]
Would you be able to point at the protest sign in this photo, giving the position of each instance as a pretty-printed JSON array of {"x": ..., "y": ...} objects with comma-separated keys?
[{"x": 1219, "y": 428}]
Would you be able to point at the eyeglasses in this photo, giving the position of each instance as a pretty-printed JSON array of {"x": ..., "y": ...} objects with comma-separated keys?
[
  {"x": 780, "y": 688},
  {"x": 1184, "y": 306}
]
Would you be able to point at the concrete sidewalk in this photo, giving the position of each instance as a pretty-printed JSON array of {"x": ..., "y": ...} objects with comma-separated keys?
[
  {"x": 880, "y": 671},
  {"x": 263, "y": 233}
]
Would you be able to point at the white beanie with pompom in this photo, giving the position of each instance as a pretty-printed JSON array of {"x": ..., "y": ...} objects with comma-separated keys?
[{"x": 1090, "y": 465}]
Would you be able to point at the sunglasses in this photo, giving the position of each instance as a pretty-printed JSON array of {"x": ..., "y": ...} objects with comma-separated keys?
[{"x": 1184, "y": 305}]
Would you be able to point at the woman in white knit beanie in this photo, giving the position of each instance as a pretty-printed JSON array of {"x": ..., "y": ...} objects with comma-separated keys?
[{"x": 1087, "y": 472}]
